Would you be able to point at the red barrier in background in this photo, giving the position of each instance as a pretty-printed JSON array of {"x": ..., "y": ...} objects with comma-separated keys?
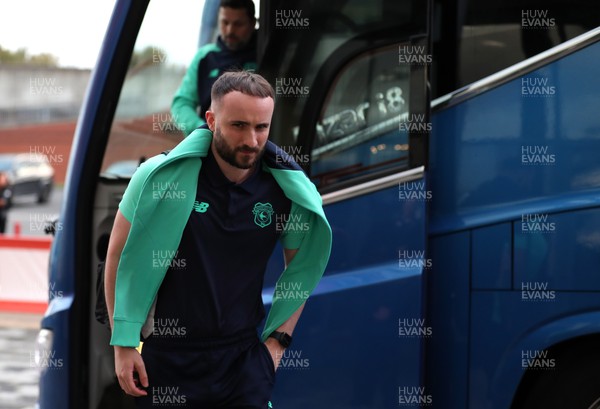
[
  {"x": 21, "y": 242},
  {"x": 24, "y": 273}
]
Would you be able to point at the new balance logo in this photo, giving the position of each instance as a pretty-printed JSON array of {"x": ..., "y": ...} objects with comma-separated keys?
[{"x": 200, "y": 207}]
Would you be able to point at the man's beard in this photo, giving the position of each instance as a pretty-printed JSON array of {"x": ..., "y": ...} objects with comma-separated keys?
[
  {"x": 229, "y": 154},
  {"x": 234, "y": 43}
]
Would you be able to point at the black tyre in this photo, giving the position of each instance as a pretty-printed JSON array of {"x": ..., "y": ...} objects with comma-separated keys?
[
  {"x": 44, "y": 192},
  {"x": 9, "y": 201},
  {"x": 573, "y": 383},
  {"x": 2, "y": 221}
]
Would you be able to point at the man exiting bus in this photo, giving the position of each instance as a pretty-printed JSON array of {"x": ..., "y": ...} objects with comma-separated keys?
[
  {"x": 191, "y": 240},
  {"x": 235, "y": 48}
]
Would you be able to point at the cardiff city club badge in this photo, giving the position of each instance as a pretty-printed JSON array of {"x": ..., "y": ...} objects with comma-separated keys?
[{"x": 262, "y": 214}]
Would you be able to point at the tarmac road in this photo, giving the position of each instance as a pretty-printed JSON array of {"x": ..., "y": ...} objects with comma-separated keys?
[{"x": 18, "y": 373}]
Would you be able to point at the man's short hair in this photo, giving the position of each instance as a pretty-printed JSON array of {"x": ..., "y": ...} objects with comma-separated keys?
[
  {"x": 246, "y": 82},
  {"x": 248, "y": 5}
]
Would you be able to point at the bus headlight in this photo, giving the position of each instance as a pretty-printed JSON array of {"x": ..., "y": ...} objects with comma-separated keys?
[{"x": 43, "y": 357}]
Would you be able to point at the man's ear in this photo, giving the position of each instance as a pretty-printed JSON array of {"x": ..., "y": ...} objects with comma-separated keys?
[{"x": 210, "y": 120}]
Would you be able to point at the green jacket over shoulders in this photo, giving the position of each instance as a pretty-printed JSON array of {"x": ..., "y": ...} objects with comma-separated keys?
[{"x": 158, "y": 202}]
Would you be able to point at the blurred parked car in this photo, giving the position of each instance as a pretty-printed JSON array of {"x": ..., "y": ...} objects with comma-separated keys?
[{"x": 28, "y": 174}]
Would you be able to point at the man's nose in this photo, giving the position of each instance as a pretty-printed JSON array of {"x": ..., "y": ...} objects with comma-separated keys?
[{"x": 251, "y": 139}]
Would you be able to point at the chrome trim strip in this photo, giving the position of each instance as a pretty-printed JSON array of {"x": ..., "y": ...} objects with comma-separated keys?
[
  {"x": 373, "y": 185},
  {"x": 348, "y": 141},
  {"x": 517, "y": 70}
]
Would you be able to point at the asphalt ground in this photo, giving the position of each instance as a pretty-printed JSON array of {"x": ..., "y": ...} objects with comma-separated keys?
[
  {"x": 18, "y": 331},
  {"x": 18, "y": 372}
]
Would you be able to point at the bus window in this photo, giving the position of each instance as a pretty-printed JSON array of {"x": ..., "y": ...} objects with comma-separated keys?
[
  {"x": 362, "y": 128},
  {"x": 304, "y": 49},
  {"x": 484, "y": 37},
  {"x": 143, "y": 124},
  {"x": 489, "y": 44}
]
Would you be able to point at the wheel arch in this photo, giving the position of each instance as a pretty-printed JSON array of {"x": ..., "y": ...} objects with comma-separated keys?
[
  {"x": 580, "y": 331},
  {"x": 581, "y": 347}
]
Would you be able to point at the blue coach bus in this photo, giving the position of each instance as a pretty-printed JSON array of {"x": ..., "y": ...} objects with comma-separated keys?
[{"x": 456, "y": 146}]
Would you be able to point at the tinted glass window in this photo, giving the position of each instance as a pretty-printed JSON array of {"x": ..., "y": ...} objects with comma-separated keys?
[
  {"x": 360, "y": 130},
  {"x": 304, "y": 39},
  {"x": 474, "y": 39}
]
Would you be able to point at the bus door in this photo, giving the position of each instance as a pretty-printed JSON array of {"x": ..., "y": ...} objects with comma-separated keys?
[
  {"x": 350, "y": 78},
  {"x": 352, "y": 109}
]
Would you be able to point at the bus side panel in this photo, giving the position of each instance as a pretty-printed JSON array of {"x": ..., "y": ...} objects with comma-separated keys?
[
  {"x": 517, "y": 143},
  {"x": 524, "y": 151},
  {"x": 347, "y": 352},
  {"x": 549, "y": 265},
  {"x": 359, "y": 341},
  {"x": 448, "y": 310},
  {"x": 551, "y": 246}
]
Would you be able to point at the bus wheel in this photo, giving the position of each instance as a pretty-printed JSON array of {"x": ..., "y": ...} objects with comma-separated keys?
[{"x": 572, "y": 383}]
